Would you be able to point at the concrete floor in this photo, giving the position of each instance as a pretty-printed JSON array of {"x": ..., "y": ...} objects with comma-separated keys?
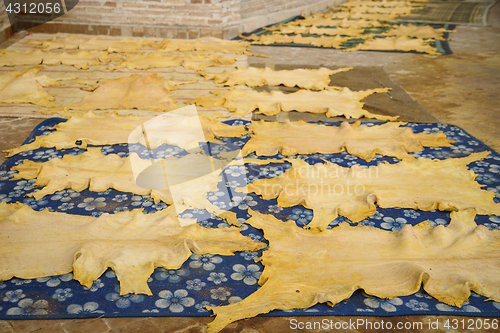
[{"x": 460, "y": 89}]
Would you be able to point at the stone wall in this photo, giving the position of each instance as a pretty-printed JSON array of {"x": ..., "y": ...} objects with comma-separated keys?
[{"x": 176, "y": 18}]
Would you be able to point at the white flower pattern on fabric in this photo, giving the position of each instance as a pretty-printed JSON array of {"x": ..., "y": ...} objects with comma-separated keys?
[
  {"x": 248, "y": 274},
  {"x": 173, "y": 276},
  {"x": 174, "y": 302},
  {"x": 274, "y": 209},
  {"x": 157, "y": 207},
  {"x": 486, "y": 178},
  {"x": 142, "y": 200},
  {"x": 217, "y": 149},
  {"x": 411, "y": 213},
  {"x": 25, "y": 185},
  {"x": 13, "y": 295},
  {"x": 226, "y": 225},
  {"x": 206, "y": 223},
  {"x": 393, "y": 224},
  {"x": 350, "y": 157},
  {"x": 96, "y": 285},
  {"x": 89, "y": 307},
  {"x": 233, "y": 299},
  {"x": 235, "y": 171},
  {"x": 434, "y": 130},
  {"x": 62, "y": 294},
  {"x": 422, "y": 294},
  {"x": 249, "y": 255},
  {"x": 466, "y": 307},
  {"x": 233, "y": 184},
  {"x": 168, "y": 152},
  {"x": 301, "y": 216},
  {"x": 254, "y": 237},
  {"x": 494, "y": 219},
  {"x": 421, "y": 154},
  {"x": 461, "y": 149},
  {"x": 215, "y": 196},
  {"x": 195, "y": 284},
  {"x": 243, "y": 203},
  {"x": 26, "y": 306},
  {"x": 207, "y": 261},
  {"x": 54, "y": 281},
  {"x": 482, "y": 163},
  {"x": 19, "y": 282},
  {"x": 4, "y": 198},
  {"x": 124, "y": 301},
  {"x": 64, "y": 195},
  {"x": 271, "y": 172},
  {"x": 35, "y": 204},
  {"x": 495, "y": 189},
  {"x": 201, "y": 306},
  {"x": 219, "y": 293},
  {"x": 494, "y": 168},
  {"x": 110, "y": 274},
  {"x": 217, "y": 278},
  {"x": 339, "y": 219},
  {"x": 337, "y": 160},
  {"x": 66, "y": 206},
  {"x": 24, "y": 154},
  {"x": 16, "y": 193},
  {"x": 120, "y": 197},
  {"x": 48, "y": 154},
  {"x": 477, "y": 169},
  {"x": 120, "y": 209},
  {"x": 436, "y": 222},
  {"x": 6, "y": 175},
  {"x": 417, "y": 306},
  {"x": 387, "y": 305},
  {"x": 220, "y": 204},
  {"x": 492, "y": 226},
  {"x": 186, "y": 216},
  {"x": 367, "y": 223},
  {"x": 91, "y": 203},
  {"x": 76, "y": 151}
]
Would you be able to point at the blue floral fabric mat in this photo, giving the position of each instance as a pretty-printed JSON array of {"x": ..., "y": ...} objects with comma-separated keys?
[
  {"x": 216, "y": 279},
  {"x": 442, "y": 46}
]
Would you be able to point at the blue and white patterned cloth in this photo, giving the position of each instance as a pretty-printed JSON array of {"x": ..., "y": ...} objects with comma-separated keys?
[{"x": 215, "y": 279}]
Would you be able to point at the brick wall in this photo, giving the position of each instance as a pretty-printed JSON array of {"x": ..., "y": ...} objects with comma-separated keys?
[
  {"x": 176, "y": 18},
  {"x": 160, "y": 18}
]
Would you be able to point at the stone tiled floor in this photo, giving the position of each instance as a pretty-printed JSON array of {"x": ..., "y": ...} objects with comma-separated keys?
[{"x": 460, "y": 89}]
